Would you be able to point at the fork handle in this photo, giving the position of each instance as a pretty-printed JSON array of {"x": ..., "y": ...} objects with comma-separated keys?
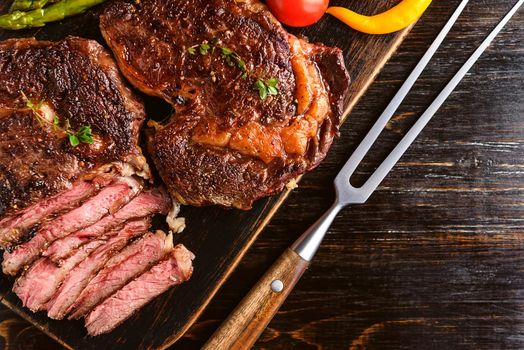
[{"x": 249, "y": 319}]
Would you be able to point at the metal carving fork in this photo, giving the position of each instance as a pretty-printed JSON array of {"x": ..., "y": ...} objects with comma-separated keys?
[{"x": 245, "y": 324}]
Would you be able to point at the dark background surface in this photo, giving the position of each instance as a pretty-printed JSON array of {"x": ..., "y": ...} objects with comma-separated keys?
[{"x": 435, "y": 259}]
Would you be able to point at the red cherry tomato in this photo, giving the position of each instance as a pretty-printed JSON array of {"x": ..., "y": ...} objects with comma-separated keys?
[{"x": 298, "y": 13}]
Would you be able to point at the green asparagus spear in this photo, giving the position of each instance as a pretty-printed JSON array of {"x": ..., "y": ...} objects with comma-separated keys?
[
  {"x": 39, "y": 17},
  {"x": 27, "y": 5}
]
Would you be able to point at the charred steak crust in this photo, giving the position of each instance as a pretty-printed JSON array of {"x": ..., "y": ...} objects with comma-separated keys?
[
  {"x": 78, "y": 82},
  {"x": 225, "y": 145}
]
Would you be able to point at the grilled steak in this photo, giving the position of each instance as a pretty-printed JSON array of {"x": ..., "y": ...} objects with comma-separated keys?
[
  {"x": 80, "y": 276},
  {"x": 119, "y": 270},
  {"x": 70, "y": 84},
  {"x": 148, "y": 203},
  {"x": 228, "y": 143},
  {"x": 108, "y": 200},
  {"x": 176, "y": 269},
  {"x": 13, "y": 228},
  {"x": 77, "y": 200},
  {"x": 44, "y": 277}
]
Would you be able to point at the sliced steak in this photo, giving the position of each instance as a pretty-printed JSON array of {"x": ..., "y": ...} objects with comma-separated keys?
[
  {"x": 126, "y": 265},
  {"x": 13, "y": 228},
  {"x": 80, "y": 276},
  {"x": 77, "y": 81},
  {"x": 176, "y": 269},
  {"x": 43, "y": 278},
  {"x": 226, "y": 144},
  {"x": 151, "y": 202},
  {"x": 108, "y": 200}
]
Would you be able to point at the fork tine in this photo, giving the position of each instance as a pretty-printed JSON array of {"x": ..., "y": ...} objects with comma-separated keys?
[
  {"x": 372, "y": 136},
  {"x": 376, "y": 178}
]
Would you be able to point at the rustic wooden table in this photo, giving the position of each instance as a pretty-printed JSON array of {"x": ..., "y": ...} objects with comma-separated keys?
[{"x": 435, "y": 259}]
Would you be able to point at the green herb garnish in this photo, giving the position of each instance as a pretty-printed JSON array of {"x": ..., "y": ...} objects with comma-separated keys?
[
  {"x": 272, "y": 86},
  {"x": 226, "y": 52},
  {"x": 232, "y": 59},
  {"x": 262, "y": 89},
  {"x": 204, "y": 48},
  {"x": 73, "y": 140},
  {"x": 83, "y": 135},
  {"x": 266, "y": 88}
]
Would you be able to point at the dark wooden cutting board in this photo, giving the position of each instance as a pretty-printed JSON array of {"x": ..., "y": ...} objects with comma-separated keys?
[{"x": 218, "y": 237}]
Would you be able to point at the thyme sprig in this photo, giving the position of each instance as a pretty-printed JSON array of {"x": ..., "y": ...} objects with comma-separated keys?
[
  {"x": 232, "y": 58},
  {"x": 229, "y": 56},
  {"x": 266, "y": 87},
  {"x": 83, "y": 135}
]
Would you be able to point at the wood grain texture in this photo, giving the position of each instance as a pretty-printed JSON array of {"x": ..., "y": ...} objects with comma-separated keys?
[
  {"x": 244, "y": 325},
  {"x": 434, "y": 259}
]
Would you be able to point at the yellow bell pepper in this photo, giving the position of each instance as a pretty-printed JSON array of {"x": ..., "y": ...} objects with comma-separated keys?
[{"x": 395, "y": 19}]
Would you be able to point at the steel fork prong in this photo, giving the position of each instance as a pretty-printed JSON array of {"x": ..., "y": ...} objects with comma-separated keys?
[{"x": 359, "y": 195}]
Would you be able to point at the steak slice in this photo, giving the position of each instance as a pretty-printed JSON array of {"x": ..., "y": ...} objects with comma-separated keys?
[
  {"x": 14, "y": 227},
  {"x": 77, "y": 81},
  {"x": 43, "y": 278},
  {"x": 80, "y": 276},
  {"x": 176, "y": 269},
  {"x": 227, "y": 144},
  {"x": 121, "y": 268},
  {"x": 108, "y": 200},
  {"x": 150, "y": 202}
]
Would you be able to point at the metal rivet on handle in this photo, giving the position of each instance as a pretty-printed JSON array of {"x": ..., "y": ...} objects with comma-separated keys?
[{"x": 277, "y": 286}]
